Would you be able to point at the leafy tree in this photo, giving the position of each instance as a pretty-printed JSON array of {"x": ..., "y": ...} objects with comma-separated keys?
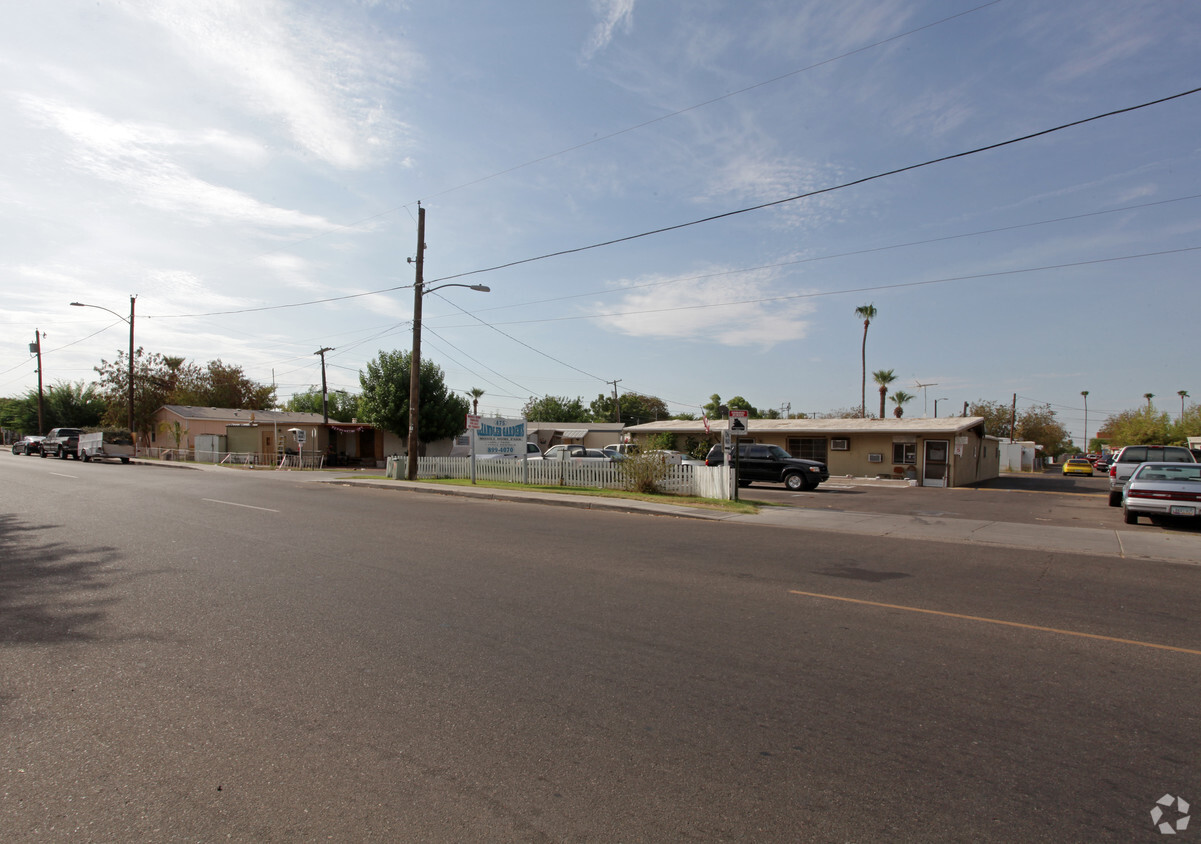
[
  {"x": 883, "y": 377},
  {"x": 1039, "y": 425},
  {"x": 226, "y": 385},
  {"x": 997, "y": 417},
  {"x": 713, "y": 407},
  {"x": 1140, "y": 427},
  {"x": 1189, "y": 424},
  {"x": 64, "y": 404},
  {"x": 556, "y": 409},
  {"x": 899, "y": 398},
  {"x": 866, "y": 313},
  {"x": 342, "y": 405},
  {"x": 21, "y": 413},
  {"x": 385, "y": 398},
  {"x": 635, "y": 409},
  {"x": 739, "y": 403}
]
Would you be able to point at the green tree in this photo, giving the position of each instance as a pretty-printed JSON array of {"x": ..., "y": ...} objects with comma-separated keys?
[
  {"x": 739, "y": 403},
  {"x": 866, "y": 313},
  {"x": 343, "y": 406},
  {"x": 899, "y": 398},
  {"x": 713, "y": 407},
  {"x": 384, "y": 401},
  {"x": 1040, "y": 425},
  {"x": 635, "y": 409},
  {"x": 226, "y": 385},
  {"x": 556, "y": 409},
  {"x": 1139, "y": 427},
  {"x": 883, "y": 377},
  {"x": 997, "y": 417}
]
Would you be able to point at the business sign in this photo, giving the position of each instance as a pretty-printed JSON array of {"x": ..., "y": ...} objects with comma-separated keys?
[
  {"x": 497, "y": 435},
  {"x": 473, "y": 422}
]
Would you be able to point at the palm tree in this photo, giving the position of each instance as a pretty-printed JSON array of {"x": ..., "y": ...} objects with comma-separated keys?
[
  {"x": 866, "y": 313},
  {"x": 476, "y": 395},
  {"x": 1148, "y": 397},
  {"x": 899, "y": 398},
  {"x": 1183, "y": 395},
  {"x": 883, "y": 377}
]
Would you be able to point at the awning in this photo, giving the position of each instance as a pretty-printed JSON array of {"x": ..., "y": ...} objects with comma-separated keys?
[
  {"x": 575, "y": 434},
  {"x": 349, "y": 429}
]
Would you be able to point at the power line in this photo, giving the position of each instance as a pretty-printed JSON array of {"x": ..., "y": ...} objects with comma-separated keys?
[{"x": 715, "y": 217}]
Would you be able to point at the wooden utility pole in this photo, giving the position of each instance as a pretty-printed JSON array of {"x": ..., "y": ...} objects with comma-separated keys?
[
  {"x": 36, "y": 348},
  {"x": 324, "y": 389},
  {"x": 1013, "y": 419},
  {"x": 415, "y": 359},
  {"x": 616, "y": 398}
]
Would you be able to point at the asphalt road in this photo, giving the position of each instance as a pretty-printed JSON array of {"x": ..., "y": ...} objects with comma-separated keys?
[{"x": 247, "y": 656}]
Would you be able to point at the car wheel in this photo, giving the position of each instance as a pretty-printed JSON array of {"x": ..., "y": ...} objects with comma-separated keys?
[
  {"x": 42, "y": 453},
  {"x": 1115, "y": 498},
  {"x": 124, "y": 459},
  {"x": 794, "y": 482},
  {"x": 83, "y": 455},
  {"x": 1130, "y": 516}
]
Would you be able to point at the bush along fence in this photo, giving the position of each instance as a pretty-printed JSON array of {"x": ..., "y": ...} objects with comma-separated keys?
[{"x": 687, "y": 479}]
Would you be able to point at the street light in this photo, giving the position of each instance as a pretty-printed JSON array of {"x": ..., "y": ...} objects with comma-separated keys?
[
  {"x": 415, "y": 361},
  {"x": 936, "y": 401},
  {"x": 1085, "y": 394},
  {"x": 132, "y": 299}
]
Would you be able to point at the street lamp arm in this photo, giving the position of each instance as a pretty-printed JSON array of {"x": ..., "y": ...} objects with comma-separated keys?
[
  {"x": 482, "y": 288},
  {"x": 101, "y": 307}
]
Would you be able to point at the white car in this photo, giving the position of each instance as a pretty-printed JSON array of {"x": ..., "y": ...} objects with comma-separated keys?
[{"x": 1162, "y": 489}]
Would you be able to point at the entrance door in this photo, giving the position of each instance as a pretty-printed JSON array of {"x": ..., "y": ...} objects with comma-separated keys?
[{"x": 937, "y": 463}]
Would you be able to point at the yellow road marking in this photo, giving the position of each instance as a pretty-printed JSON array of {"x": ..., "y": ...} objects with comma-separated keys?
[{"x": 999, "y": 621}]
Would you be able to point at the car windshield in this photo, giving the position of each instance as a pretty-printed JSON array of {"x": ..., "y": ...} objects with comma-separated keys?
[{"x": 778, "y": 453}]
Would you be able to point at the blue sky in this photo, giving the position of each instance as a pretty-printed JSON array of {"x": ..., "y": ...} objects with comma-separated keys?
[{"x": 222, "y": 159}]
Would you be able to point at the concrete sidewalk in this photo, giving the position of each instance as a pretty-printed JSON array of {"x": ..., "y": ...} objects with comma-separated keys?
[{"x": 1152, "y": 544}]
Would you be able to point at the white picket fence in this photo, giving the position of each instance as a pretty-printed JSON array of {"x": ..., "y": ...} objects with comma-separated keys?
[{"x": 700, "y": 481}]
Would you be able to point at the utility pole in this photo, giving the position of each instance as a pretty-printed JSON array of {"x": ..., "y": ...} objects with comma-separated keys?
[
  {"x": 616, "y": 398},
  {"x": 415, "y": 359},
  {"x": 1013, "y": 418},
  {"x": 324, "y": 389},
  {"x": 36, "y": 348}
]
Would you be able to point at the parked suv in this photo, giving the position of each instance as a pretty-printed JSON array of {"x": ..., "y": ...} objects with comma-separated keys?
[
  {"x": 772, "y": 464},
  {"x": 1131, "y": 456}
]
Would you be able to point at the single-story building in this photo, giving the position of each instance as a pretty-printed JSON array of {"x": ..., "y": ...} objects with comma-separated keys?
[
  {"x": 177, "y": 427},
  {"x": 587, "y": 434},
  {"x": 950, "y": 451}
]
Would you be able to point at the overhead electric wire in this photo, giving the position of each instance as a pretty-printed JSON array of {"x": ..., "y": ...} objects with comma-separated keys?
[{"x": 715, "y": 217}]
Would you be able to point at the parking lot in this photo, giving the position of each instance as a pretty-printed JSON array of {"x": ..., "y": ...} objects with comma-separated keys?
[{"x": 1044, "y": 499}]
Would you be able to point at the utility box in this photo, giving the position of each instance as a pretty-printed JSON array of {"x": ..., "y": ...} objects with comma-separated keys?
[{"x": 210, "y": 448}]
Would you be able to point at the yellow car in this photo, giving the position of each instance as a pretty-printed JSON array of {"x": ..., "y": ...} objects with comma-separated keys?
[{"x": 1078, "y": 466}]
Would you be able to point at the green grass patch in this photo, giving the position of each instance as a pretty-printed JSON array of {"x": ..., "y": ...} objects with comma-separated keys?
[{"x": 678, "y": 500}]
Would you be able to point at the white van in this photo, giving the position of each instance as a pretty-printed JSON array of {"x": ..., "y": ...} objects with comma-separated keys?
[{"x": 115, "y": 445}]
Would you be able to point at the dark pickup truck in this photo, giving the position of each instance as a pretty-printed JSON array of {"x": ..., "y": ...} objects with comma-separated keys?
[
  {"x": 61, "y": 443},
  {"x": 770, "y": 463}
]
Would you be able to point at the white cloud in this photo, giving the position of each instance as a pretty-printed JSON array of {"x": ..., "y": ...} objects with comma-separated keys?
[
  {"x": 133, "y": 155},
  {"x": 612, "y": 14},
  {"x": 726, "y": 310},
  {"x": 313, "y": 75}
]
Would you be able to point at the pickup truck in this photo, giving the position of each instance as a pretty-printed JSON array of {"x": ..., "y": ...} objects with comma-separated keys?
[
  {"x": 61, "y": 443},
  {"x": 1131, "y": 456}
]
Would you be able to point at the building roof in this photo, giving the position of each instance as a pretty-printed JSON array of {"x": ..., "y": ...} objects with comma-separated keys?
[
  {"x": 237, "y": 416},
  {"x": 943, "y": 425}
]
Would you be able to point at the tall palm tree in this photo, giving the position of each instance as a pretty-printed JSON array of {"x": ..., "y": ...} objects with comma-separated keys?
[
  {"x": 1148, "y": 397},
  {"x": 866, "y": 313},
  {"x": 899, "y": 398},
  {"x": 476, "y": 395},
  {"x": 883, "y": 377},
  {"x": 1183, "y": 395}
]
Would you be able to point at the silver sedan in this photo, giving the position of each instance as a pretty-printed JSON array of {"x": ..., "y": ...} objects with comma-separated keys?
[{"x": 1162, "y": 489}]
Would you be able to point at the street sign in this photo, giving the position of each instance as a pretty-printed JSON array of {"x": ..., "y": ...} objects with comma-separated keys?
[
  {"x": 738, "y": 422},
  {"x": 473, "y": 422}
]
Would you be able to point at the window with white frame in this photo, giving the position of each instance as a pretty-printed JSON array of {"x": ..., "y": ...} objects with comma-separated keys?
[{"x": 904, "y": 453}]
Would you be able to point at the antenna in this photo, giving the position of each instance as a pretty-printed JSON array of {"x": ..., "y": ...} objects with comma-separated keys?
[{"x": 923, "y": 387}]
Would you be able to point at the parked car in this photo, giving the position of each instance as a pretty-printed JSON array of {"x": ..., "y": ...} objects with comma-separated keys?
[
  {"x": 1131, "y": 456},
  {"x": 61, "y": 443},
  {"x": 114, "y": 445},
  {"x": 772, "y": 464},
  {"x": 1101, "y": 465},
  {"x": 580, "y": 454},
  {"x": 28, "y": 445},
  {"x": 1162, "y": 490},
  {"x": 1077, "y": 466}
]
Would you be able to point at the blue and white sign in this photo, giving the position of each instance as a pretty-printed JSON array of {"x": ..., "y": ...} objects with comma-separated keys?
[{"x": 501, "y": 436}]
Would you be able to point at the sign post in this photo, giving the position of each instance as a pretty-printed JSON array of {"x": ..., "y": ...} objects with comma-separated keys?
[
  {"x": 737, "y": 428},
  {"x": 473, "y": 425}
]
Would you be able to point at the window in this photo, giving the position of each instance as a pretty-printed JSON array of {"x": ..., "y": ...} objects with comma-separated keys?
[
  {"x": 810, "y": 448},
  {"x": 840, "y": 444},
  {"x": 904, "y": 453}
]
